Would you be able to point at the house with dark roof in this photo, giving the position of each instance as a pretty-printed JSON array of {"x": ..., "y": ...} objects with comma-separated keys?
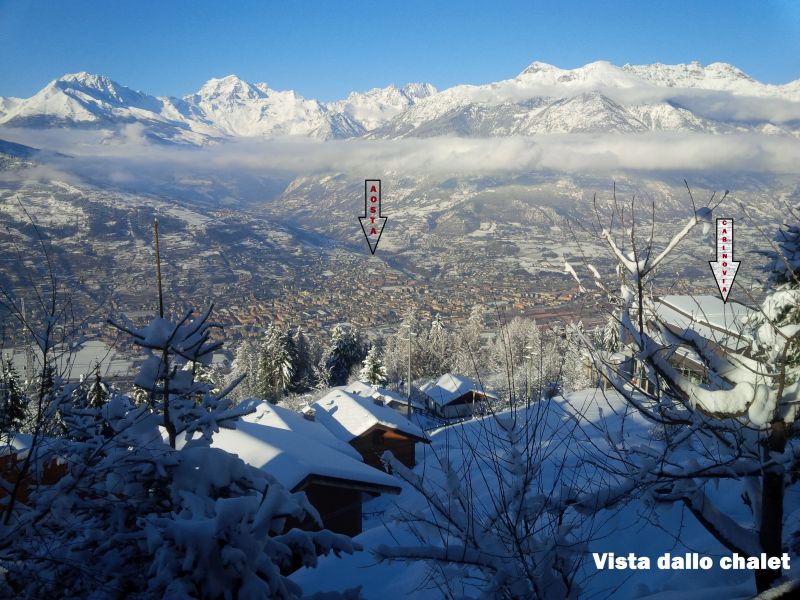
[{"x": 369, "y": 426}]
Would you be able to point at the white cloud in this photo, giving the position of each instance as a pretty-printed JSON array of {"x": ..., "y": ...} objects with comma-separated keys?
[{"x": 674, "y": 153}]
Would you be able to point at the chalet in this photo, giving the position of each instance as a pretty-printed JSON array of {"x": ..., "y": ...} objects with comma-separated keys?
[
  {"x": 305, "y": 457},
  {"x": 369, "y": 426},
  {"x": 453, "y": 396},
  {"x": 723, "y": 324},
  {"x": 391, "y": 399}
]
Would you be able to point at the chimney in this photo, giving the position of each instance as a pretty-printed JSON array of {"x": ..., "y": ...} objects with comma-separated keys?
[
  {"x": 309, "y": 413},
  {"x": 377, "y": 399}
]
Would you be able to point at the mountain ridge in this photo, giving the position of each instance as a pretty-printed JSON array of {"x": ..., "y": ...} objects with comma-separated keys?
[{"x": 541, "y": 99}]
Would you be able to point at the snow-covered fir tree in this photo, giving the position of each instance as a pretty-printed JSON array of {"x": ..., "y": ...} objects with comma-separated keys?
[
  {"x": 275, "y": 364},
  {"x": 576, "y": 374},
  {"x": 396, "y": 349},
  {"x": 98, "y": 393},
  {"x": 515, "y": 358},
  {"x": 511, "y": 543},
  {"x": 137, "y": 515},
  {"x": 13, "y": 402},
  {"x": 303, "y": 362},
  {"x": 373, "y": 371},
  {"x": 346, "y": 350},
  {"x": 244, "y": 367}
]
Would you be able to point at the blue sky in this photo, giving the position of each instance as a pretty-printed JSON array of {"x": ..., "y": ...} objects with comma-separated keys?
[{"x": 324, "y": 49}]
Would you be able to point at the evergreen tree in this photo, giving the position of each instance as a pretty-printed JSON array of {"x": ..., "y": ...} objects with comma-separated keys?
[
  {"x": 245, "y": 363},
  {"x": 275, "y": 364},
  {"x": 373, "y": 371},
  {"x": 143, "y": 517},
  {"x": 13, "y": 402},
  {"x": 303, "y": 375},
  {"x": 97, "y": 394},
  {"x": 345, "y": 351},
  {"x": 139, "y": 396},
  {"x": 778, "y": 335},
  {"x": 608, "y": 335}
]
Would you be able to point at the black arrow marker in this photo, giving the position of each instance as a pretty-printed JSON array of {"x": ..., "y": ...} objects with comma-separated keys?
[
  {"x": 724, "y": 268},
  {"x": 372, "y": 222}
]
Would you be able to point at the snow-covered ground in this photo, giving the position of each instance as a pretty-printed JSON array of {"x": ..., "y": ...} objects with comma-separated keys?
[{"x": 573, "y": 436}]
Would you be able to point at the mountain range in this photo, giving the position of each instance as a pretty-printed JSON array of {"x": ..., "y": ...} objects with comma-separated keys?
[{"x": 598, "y": 97}]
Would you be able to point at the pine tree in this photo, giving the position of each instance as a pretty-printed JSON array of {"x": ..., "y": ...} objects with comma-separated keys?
[
  {"x": 373, "y": 371},
  {"x": 777, "y": 338},
  {"x": 275, "y": 364},
  {"x": 345, "y": 351},
  {"x": 97, "y": 394},
  {"x": 303, "y": 375},
  {"x": 140, "y": 516},
  {"x": 576, "y": 374},
  {"x": 13, "y": 402},
  {"x": 245, "y": 363}
]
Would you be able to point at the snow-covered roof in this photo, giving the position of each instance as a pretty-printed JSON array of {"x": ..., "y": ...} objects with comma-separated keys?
[
  {"x": 348, "y": 415},
  {"x": 292, "y": 457},
  {"x": 450, "y": 387},
  {"x": 284, "y": 418},
  {"x": 366, "y": 390},
  {"x": 718, "y": 321}
]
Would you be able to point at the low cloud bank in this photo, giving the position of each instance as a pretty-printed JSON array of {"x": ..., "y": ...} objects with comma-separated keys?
[{"x": 128, "y": 157}]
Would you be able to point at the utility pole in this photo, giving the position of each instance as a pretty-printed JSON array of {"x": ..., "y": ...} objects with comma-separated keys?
[
  {"x": 528, "y": 356},
  {"x": 408, "y": 380}
]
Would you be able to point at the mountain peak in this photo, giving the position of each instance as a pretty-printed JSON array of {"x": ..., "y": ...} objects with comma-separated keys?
[
  {"x": 716, "y": 76},
  {"x": 233, "y": 87},
  {"x": 539, "y": 67},
  {"x": 86, "y": 79}
]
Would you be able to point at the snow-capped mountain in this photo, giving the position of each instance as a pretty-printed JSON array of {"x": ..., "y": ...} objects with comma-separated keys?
[
  {"x": 226, "y": 107},
  {"x": 377, "y": 106},
  {"x": 598, "y": 97},
  {"x": 237, "y": 108}
]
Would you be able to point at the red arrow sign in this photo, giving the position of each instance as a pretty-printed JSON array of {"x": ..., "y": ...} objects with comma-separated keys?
[
  {"x": 372, "y": 222},
  {"x": 724, "y": 268}
]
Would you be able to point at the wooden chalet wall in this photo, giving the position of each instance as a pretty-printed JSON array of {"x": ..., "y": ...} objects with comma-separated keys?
[
  {"x": 377, "y": 440},
  {"x": 10, "y": 470},
  {"x": 338, "y": 507}
]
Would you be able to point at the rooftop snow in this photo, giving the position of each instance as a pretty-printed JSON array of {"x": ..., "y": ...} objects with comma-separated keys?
[
  {"x": 449, "y": 387},
  {"x": 720, "y": 322},
  {"x": 366, "y": 390},
  {"x": 292, "y": 457},
  {"x": 348, "y": 415},
  {"x": 284, "y": 418}
]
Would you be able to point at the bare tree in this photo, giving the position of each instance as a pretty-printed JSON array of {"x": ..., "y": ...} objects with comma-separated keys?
[{"x": 739, "y": 425}]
